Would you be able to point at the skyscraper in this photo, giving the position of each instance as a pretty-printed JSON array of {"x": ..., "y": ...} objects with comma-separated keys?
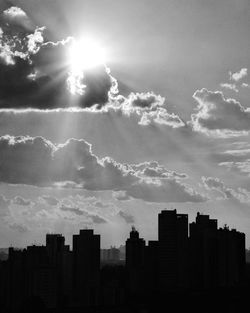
[
  {"x": 173, "y": 243},
  {"x": 60, "y": 257},
  {"x": 135, "y": 261},
  {"x": 203, "y": 252},
  {"x": 86, "y": 267}
]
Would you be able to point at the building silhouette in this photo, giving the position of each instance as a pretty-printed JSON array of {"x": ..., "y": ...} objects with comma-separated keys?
[
  {"x": 86, "y": 267},
  {"x": 180, "y": 262},
  {"x": 173, "y": 245},
  {"x": 135, "y": 261},
  {"x": 111, "y": 255},
  {"x": 203, "y": 252}
]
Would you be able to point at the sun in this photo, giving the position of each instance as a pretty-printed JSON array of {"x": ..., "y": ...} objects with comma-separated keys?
[{"x": 85, "y": 54}]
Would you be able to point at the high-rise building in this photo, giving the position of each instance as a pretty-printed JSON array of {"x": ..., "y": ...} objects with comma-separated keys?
[
  {"x": 135, "y": 261},
  {"x": 151, "y": 265},
  {"x": 203, "y": 252},
  {"x": 231, "y": 257},
  {"x": 173, "y": 244},
  {"x": 86, "y": 267},
  {"x": 60, "y": 257}
]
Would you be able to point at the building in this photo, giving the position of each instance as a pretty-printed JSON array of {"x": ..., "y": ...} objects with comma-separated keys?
[
  {"x": 173, "y": 245},
  {"x": 86, "y": 268},
  {"x": 111, "y": 255},
  {"x": 60, "y": 257},
  {"x": 203, "y": 252},
  {"x": 135, "y": 261},
  {"x": 231, "y": 257}
]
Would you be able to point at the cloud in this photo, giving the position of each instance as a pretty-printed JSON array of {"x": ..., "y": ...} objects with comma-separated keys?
[
  {"x": 74, "y": 210},
  {"x": 14, "y": 12},
  {"x": 242, "y": 167},
  {"x": 239, "y": 194},
  {"x": 37, "y": 72},
  {"x": 17, "y": 19},
  {"x": 36, "y": 161},
  {"x": 21, "y": 201},
  {"x": 150, "y": 108},
  {"x": 166, "y": 191},
  {"x": 238, "y": 75},
  {"x": 18, "y": 227},
  {"x": 234, "y": 80},
  {"x": 121, "y": 195},
  {"x": 4, "y": 206},
  {"x": 96, "y": 219},
  {"x": 128, "y": 218},
  {"x": 229, "y": 86},
  {"x": 219, "y": 116},
  {"x": 245, "y": 85},
  {"x": 50, "y": 200}
]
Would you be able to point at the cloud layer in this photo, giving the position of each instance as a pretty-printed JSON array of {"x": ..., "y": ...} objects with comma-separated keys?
[{"x": 36, "y": 161}]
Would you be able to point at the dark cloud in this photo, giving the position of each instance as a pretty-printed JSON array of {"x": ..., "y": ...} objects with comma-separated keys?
[
  {"x": 218, "y": 115},
  {"x": 25, "y": 160},
  {"x": 36, "y": 161},
  {"x": 128, "y": 218},
  {"x": 21, "y": 201}
]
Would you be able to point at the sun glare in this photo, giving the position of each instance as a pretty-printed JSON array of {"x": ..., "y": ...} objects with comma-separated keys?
[{"x": 85, "y": 54}]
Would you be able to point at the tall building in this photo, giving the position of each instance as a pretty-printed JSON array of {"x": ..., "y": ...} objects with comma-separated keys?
[
  {"x": 231, "y": 257},
  {"x": 135, "y": 261},
  {"x": 203, "y": 252},
  {"x": 86, "y": 267},
  {"x": 41, "y": 278},
  {"x": 151, "y": 265},
  {"x": 60, "y": 257},
  {"x": 173, "y": 244}
]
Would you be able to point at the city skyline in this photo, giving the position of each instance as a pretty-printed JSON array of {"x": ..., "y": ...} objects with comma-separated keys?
[
  {"x": 111, "y": 111},
  {"x": 179, "y": 262}
]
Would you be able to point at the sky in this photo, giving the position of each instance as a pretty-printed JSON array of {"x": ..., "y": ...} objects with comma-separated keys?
[{"x": 111, "y": 111}]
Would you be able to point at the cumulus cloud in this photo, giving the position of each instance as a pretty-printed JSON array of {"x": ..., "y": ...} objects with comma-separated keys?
[
  {"x": 21, "y": 201},
  {"x": 235, "y": 80},
  {"x": 150, "y": 108},
  {"x": 36, "y": 161},
  {"x": 239, "y": 194},
  {"x": 229, "y": 86},
  {"x": 238, "y": 75},
  {"x": 219, "y": 116},
  {"x": 245, "y": 85}
]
